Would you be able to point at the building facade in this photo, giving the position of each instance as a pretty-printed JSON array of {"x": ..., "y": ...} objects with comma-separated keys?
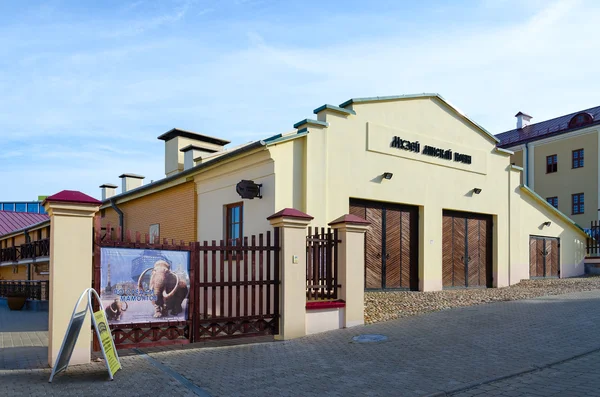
[
  {"x": 24, "y": 253},
  {"x": 446, "y": 207},
  {"x": 560, "y": 160}
]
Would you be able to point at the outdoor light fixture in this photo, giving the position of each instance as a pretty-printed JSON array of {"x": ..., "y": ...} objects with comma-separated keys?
[
  {"x": 547, "y": 223},
  {"x": 388, "y": 175},
  {"x": 477, "y": 190}
]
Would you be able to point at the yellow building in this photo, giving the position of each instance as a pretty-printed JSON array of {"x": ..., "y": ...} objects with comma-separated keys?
[
  {"x": 24, "y": 253},
  {"x": 560, "y": 160},
  {"x": 446, "y": 207}
]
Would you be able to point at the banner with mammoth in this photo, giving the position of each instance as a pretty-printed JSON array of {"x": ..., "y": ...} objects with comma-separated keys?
[{"x": 141, "y": 286}]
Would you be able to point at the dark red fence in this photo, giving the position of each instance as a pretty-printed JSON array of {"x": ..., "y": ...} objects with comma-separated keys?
[
  {"x": 238, "y": 288},
  {"x": 234, "y": 289},
  {"x": 128, "y": 335},
  {"x": 593, "y": 240},
  {"x": 322, "y": 264},
  {"x": 32, "y": 289},
  {"x": 32, "y": 250}
]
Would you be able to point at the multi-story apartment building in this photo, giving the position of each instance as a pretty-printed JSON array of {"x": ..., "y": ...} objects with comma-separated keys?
[{"x": 560, "y": 160}]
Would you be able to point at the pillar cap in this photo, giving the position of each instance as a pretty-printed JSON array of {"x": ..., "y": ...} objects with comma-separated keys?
[
  {"x": 350, "y": 219},
  {"x": 71, "y": 196},
  {"x": 291, "y": 213}
]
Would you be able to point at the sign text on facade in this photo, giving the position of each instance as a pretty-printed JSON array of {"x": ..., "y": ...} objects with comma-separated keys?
[{"x": 446, "y": 154}]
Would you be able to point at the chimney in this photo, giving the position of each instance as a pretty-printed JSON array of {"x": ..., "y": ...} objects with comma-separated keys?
[
  {"x": 192, "y": 152},
  {"x": 131, "y": 181},
  {"x": 523, "y": 120},
  {"x": 108, "y": 190},
  {"x": 177, "y": 139}
]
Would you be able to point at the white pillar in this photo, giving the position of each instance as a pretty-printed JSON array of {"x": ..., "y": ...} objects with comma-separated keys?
[
  {"x": 71, "y": 220},
  {"x": 292, "y": 225},
  {"x": 351, "y": 266}
]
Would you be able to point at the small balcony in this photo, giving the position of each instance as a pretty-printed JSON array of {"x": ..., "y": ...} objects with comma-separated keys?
[{"x": 26, "y": 253}]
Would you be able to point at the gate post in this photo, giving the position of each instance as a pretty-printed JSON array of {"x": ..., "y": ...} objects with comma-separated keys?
[
  {"x": 71, "y": 246},
  {"x": 351, "y": 266},
  {"x": 292, "y": 225}
]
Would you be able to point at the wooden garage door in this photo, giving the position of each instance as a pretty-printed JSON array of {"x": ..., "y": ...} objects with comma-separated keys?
[
  {"x": 544, "y": 257},
  {"x": 391, "y": 260},
  {"x": 466, "y": 250}
]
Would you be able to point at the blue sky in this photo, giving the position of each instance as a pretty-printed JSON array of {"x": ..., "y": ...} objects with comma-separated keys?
[{"x": 86, "y": 87}]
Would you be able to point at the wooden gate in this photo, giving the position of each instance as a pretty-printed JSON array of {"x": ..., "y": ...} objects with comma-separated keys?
[
  {"x": 233, "y": 289},
  {"x": 391, "y": 244},
  {"x": 544, "y": 257},
  {"x": 237, "y": 287},
  {"x": 322, "y": 278},
  {"x": 466, "y": 250}
]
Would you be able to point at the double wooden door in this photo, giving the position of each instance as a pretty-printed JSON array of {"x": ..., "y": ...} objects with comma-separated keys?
[
  {"x": 467, "y": 250},
  {"x": 544, "y": 257},
  {"x": 391, "y": 248}
]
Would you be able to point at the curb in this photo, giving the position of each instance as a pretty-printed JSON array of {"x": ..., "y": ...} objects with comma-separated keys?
[{"x": 535, "y": 368}]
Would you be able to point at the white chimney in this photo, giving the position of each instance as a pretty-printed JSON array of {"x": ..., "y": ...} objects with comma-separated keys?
[
  {"x": 177, "y": 139},
  {"x": 130, "y": 181},
  {"x": 108, "y": 190},
  {"x": 523, "y": 120},
  {"x": 192, "y": 152}
]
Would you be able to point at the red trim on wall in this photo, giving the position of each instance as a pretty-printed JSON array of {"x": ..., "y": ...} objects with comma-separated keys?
[{"x": 318, "y": 305}]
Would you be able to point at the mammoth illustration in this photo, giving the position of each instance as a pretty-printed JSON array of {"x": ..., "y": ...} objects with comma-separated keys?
[
  {"x": 169, "y": 289},
  {"x": 115, "y": 310}
]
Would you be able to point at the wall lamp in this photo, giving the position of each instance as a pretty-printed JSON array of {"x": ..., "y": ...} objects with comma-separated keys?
[
  {"x": 547, "y": 223},
  {"x": 477, "y": 190},
  {"x": 387, "y": 175}
]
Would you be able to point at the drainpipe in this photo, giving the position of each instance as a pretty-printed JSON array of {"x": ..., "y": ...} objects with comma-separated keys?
[
  {"x": 120, "y": 213},
  {"x": 526, "y": 164}
]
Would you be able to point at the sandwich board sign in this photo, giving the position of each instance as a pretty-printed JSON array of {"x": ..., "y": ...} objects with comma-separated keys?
[{"x": 107, "y": 345}]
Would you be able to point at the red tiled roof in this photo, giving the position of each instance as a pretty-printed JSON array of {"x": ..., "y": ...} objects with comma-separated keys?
[
  {"x": 11, "y": 221},
  {"x": 291, "y": 213},
  {"x": 545, "y": 129},
  {"x": 73, "y": 196}
]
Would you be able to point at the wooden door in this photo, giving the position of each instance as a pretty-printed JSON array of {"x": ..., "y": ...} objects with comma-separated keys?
[
  {"x": 391, "y": 249},
  {"x": 544, "y": 254},
  {"x": 466, "y": 250},
  {"x": 399, "y": 248}
]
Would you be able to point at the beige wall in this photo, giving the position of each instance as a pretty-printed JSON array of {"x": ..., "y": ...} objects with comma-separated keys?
[
  {"x": 517, "y": 158},
  {"x": 216, "y": 188},
  {"x": 528, "y": 213},
  {"x": 567, "y": 181},
  {"x": 346, "y": 160}
]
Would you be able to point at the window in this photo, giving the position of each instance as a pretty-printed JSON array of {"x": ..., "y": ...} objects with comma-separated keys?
[
  {"x": 35, "y": 207},
  {"x": 578, "y": 158},
  {"x": 233, "y": 222},
  {"x": 577, "y": 200},
  {"x": 21, "y": 207},
  {"x": 9, "y": 207},
  {"x": 553, "y": 201},
  {"x": 551, "y": 163}
]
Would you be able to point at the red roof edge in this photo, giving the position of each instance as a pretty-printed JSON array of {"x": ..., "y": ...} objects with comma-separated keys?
[
  {"x": 350, "y": 219},
  {"x": 290, "y": 213},
  {"x": 72, "y": 196},
  {"x": 319, "y": 305}
]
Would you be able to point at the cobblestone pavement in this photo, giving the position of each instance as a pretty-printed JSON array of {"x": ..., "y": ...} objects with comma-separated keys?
[
  {"x": 576, "y": 377},
  {"x": 427, "y": 354},
  {"x": 23, "y": 338}
]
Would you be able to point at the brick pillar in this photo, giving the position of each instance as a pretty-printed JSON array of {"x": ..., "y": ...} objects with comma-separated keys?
[
  {"x": 292, "y": 224},
  {"x": 351, "y": 266},
  {"x": 71, "y": 220}
]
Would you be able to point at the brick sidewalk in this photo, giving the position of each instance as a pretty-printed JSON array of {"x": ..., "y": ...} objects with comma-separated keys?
[{"x": 423, "y": 355}]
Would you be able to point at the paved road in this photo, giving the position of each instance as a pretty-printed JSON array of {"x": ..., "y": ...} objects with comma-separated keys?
[
  {"x": 438, "y": 352},
  {"x": 576, "y": 377}
]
